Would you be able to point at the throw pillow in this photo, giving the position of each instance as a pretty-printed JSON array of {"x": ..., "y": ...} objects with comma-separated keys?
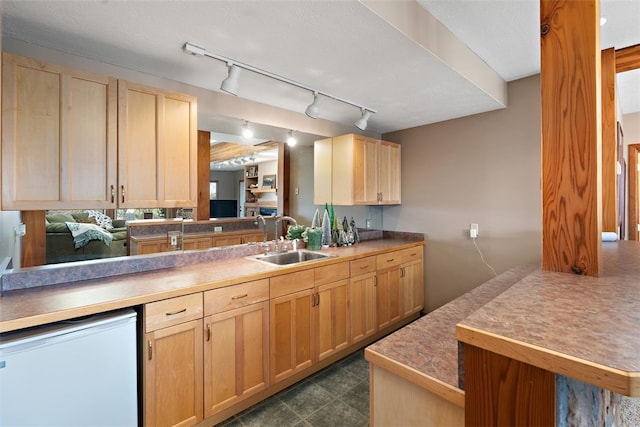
[
  {"x": 102, "y": 220},
  {"x": 87, "y": 220},
  {"x": 60, "y": 217}
]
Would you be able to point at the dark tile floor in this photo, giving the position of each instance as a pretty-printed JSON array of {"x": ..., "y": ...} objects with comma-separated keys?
[{"x": 337, "y": 396}]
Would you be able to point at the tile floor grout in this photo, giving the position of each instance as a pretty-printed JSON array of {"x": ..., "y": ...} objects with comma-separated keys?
[{"x": 337, "y": 396}]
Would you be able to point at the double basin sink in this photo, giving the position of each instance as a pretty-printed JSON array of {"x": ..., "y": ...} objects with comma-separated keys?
[{"x": 293, "y": 257}]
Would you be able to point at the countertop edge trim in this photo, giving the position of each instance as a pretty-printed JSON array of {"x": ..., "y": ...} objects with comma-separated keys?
[
  {"x": 606, "y": 377},
  {"x": 444, "y": 390}
]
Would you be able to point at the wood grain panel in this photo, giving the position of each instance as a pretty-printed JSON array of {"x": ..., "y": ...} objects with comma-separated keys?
[
  {"x": 500, "y": 391},
  {"x": 33, "y": 243},
  {"x": 628, "y": 58},
  {"x": 204, "y": 175},
  {"x": 609, "y": 143},
  {"x": 634, "y": 218},
  {"x": 571, "y": 162}
]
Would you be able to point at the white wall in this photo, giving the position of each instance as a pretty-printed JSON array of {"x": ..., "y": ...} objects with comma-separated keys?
[
  {"x": 481, "y": 169},
  {"x": 9, "y": 244}
]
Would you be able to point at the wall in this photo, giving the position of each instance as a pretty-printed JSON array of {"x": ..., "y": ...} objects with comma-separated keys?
[
  {"x": 631, "y": 128},
  {"x": 481, "y": 169},
  {"x": 227, "y": 184}
]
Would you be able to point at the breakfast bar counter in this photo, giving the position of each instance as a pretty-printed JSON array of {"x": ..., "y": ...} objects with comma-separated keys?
[{"x": 520, "y": 344}]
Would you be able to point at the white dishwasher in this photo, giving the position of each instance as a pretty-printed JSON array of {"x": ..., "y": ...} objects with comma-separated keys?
[{"x": 73, "y": 373}]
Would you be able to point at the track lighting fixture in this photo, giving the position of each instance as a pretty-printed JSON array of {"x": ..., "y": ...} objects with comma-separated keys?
[
  {"x": 291, "y": 140},
  {"x": 361, "y": 123},
  {"x": 246, "y": 131},
  {"x": 313, "y": 110},
  {"x": 230, "y": 84}
]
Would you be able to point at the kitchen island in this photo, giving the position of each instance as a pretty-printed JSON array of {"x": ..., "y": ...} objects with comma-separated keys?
[{"x": 533, "y": 354}]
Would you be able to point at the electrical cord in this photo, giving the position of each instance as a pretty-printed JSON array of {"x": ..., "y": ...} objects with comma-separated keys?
[{"x": 482, "y": 257}]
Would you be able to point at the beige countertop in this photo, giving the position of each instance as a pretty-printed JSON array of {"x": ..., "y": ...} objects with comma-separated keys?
[
  {"x": 587, "y": 328},
  {"x": 425, "y": 352},
  {"x": 40, "y": 305}
]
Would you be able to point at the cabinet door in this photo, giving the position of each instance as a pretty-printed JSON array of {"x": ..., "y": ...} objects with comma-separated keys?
[
  {"x": 235, "y": 356},
  {"x": 332, "y": 314},
  {"x": 157, "y": 148},
  {"x": 389, "y": 173},
  {"x": 365, "y": 171},
  {"x": 388, "y": 297},
  {"x": 412, "y": 287},
  {"x": 202, "y": 242},
  {"x": 362, "y": 301},
  {"x": 173, "y": 375},
  {"x": 58, "y": 136},
  {"x": 291, "y": 334}
]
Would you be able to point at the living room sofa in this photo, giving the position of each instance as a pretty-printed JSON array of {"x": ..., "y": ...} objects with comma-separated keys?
[{"x": 60, "y": 245}]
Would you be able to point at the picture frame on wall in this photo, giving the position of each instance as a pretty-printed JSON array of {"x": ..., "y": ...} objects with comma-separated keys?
[{"x": 269, "y": 181}]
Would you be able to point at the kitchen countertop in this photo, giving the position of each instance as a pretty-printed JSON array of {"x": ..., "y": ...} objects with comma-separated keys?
[
  {"x": 582, "y": 327},
  {"x": 425, "y": 352},
  {"x": 40, "y": 305}
]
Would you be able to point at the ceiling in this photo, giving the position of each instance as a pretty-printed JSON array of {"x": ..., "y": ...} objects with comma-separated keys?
[{"x": 408, "y": 70}]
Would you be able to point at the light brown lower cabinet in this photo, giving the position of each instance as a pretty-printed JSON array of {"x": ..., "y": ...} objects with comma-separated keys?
[
  {"x": 388, "y": 290},
  {"x": 411, "y": 280},
  {"x": 331, "y": 307},
  {"x": 362, "y": 298},
  {"x": 291, "y": 325},
  {"x": 236, "y": 343},
  {"x": 173, "y": 362}
]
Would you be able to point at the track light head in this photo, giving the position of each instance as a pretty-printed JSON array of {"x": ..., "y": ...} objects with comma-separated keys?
[
  {"x": 313, "y": 110},
  {"x": 246, "y": 131},
  {"x": 193, "y": 49},
  {"x": 230, "y": 84},
  {"x": 361, "y": 123},
  {"x": 291, "y": 140}
]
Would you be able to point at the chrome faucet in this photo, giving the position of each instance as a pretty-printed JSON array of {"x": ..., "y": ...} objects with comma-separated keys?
[
  {"x": 264, "y": 227},
  {"x": 279, "y": 222}
]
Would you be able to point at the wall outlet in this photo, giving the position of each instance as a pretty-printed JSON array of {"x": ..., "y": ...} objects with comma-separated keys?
[
  {"x": 473, "y": 231},
  {"x": 217, "y": 229},
  {"x": 173, "y": 238}
]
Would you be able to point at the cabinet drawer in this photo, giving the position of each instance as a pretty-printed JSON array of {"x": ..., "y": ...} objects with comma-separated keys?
[
  {"x": 412, "y": 254},
  {"x": 363, "y": 266},
  {"x": 331, "y": 273},
  {"x": 290, "y": 283},
  {"x": 236, "y": 296},
  {"x": 388, "y": 260},
  {"x": 172, "y": 311}
]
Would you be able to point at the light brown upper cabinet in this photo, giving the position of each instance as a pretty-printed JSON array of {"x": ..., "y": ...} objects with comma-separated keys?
[
  {"x": 356, "y": 170},
  {"x": 73, "y": 140},
  {"x": 157, "y": 147},
  {"x": 58, "y": 136}
]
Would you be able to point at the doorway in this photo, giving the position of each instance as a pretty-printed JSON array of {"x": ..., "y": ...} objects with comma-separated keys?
[
  {"x": 634, "y": 151},
  {"x": 241, "y": 199}
]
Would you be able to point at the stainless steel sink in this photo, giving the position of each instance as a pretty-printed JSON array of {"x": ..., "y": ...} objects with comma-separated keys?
[{"x": 294, "y": 257}]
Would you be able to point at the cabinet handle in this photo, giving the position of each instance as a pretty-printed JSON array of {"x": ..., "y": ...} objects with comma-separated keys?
[
  {"x": 401, "y": 271},
  {"x": 122, "y": 192},
  {"x": 390, "y": 260},
  {"x": 375, "y": 280},
  {"x": 364, "y": 267},
  {"x": 208, "y": 332},
  {"x": 239, "y": 296},
  {"x": 113, "y": 194},
  {"x": 150, "y": 349},
  {"x": 173, "y": 313},
  {"x": 313, "y": 300},
  {"x": 318, "y": 295}
]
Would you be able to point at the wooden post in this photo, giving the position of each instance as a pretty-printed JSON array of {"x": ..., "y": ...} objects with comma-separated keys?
[
  {"x": 204, "y": 175},
  {"x": 571, "y": 136},
  {"x": 34, "y": 246},
  {"x": 609, "y": 143}
]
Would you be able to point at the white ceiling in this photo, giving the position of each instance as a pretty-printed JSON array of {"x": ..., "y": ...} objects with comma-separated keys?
[{"x": 350, "y": 49}]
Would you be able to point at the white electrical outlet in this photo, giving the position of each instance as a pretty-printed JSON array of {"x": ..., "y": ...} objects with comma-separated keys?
[
  {"x": 473, "y": 231},
  {"x": 217, "y": 229}
]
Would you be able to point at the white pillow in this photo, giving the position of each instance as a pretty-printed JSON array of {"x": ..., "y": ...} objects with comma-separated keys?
[{"x": 102, "y": 220}]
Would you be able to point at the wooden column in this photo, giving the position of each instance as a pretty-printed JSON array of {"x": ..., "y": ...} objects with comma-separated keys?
[
  {"x": 204, "y": 175},
  {"x": 500, "y": 391},
  {"x": 34, "y": 246},
  {"x": 571, "y": 136},
  {"x": 609, "y": 142}
]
